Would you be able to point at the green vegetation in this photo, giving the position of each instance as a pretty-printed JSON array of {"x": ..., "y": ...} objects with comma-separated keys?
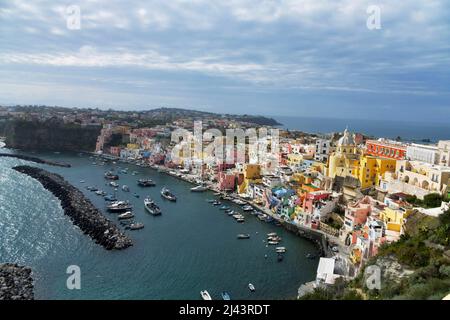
[
  {"x": 423, "y": 250},
  {"x": 432, "y": 200}
]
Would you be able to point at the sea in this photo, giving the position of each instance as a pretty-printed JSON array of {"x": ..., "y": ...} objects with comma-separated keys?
[
  {"x": 407, "y": 131},
  {"x": 191, "y": 247}
]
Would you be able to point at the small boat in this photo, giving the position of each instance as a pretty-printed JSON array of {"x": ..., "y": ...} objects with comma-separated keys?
[
  {"x": 226, "y": 296},
  {"x": 100, "y": 193},
  {"x": 119, "y": 206},
  {"x": 216, "y": 203},
  {"x": 251, "y": 287},
  {"x": 280, "y": 249},
  {"x": 110, "y": 197},
  {"x": 205, "y": 295},
  {"x": 126, "y": 215},
  {"x": 240, "y": 220},
  {"x": 114, "y": 184},
  {"x": 136, "y": 226},
  {"x": 230, "y": 213},
  {"x": 272, "y": 234},
  {"x": 228, "y": 210},
  {"x": 273, "y": 242},
  {"x": 311, "y": 256},
  {"x": 151, "y": 207},
  {"x": 125, "y": 188},
  {"x": 146, "y": 183},
  {"x": 136, "y": 195},
  {"x": 166, "y": 194},
  {"x": 224, "y": 207},
  {"x": 247, "y": 208},
  {"x": 199, "y": 188},
  {"x": 110, "y": 176},
  {"x": 81, "y": 181},
  {"x": 243, "y": 236}
]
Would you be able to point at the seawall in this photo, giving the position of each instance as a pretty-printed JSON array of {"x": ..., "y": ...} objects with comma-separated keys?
[
  {"x": 80, "y": 210},
  {"x": 35, "y": 159}
]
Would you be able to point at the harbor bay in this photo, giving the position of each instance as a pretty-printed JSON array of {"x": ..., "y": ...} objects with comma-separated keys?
[{"x": 192, "y": 246}]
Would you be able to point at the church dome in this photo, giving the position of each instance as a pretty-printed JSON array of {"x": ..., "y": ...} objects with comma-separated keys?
[{"x": 347, "y": 139}]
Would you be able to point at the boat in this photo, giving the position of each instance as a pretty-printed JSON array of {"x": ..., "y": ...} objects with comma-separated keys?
[
  {"x": 247, "y": 208},
  {"x": 81, "y": 181},
  {"x": 146, "y": 183},
  {"x": 272, "y": 234},
  {"x": 230, "y": 213},
  {"x": 119, "y": 206},
  {"x": 224, "y": 207},
  {"x": 136, "y": 226},
  {"x": 166, "y": 194},
  {"x": 240, "y": 220},
  {"x": 110, "y": 197},
  {"x": 251, "y": 287},
  {"x": 205, "y": 295},
  {"x": 199, "y": 188},
  {"x": 216, "y": 203},
  {"x": 274, "y": 238},
  {"x": 243, "y": 236},
  {"x": 151, "y": 207},
  {"x": 136, "y": 195},
  {"x": 273, "y": 242},
  {"x": 262, "y": 217},
  {"x": 280, "y": 249},
  {"x": 126, "y": 215},
  {"x": 226, "y": 295},
  {"x": 114, "y": 184},
  {"x": 125, "y": 188},
  {"x": 228, "y": 210},
  {"x": 100, "y": 193},
  {"x": 110, "y": 176}
]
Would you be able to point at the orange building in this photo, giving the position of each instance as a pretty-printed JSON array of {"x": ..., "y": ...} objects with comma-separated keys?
[{"x": 386, "y": 149}]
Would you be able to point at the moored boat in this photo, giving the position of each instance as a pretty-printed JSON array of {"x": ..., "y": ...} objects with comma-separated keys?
[
  {"x": 146, "y": 183},
  {"x": 125, "y": 188},
  {"x": 199, "y": 188},
  {"x": 126, "y": 215},
  {"x": 119, "y": 206},
  {"x": 151, "y": 207},
  {"x": 166, "y": 194},
  {"x": 205, "y": 295},
  {"x": 251, "y": 287},
  {"x": 136, "y": 226},
  {"x": 243, "y": 236}
]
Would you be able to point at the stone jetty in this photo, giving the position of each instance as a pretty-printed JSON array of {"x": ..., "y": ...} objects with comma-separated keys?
[
  {"x": 80, "y": 210},
  {"x": 16, "y": 282},
  {"x": 35, "y": 159}
]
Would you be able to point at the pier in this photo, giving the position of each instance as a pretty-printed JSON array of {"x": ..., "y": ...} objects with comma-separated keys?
[{"x": 80, "y": 209}]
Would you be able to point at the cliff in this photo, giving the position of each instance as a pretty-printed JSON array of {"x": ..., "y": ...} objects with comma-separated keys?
[{"x": 50, "y": 135}]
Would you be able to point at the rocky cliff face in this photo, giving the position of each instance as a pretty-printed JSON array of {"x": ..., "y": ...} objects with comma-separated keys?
[{"x": 53, "y": 136}]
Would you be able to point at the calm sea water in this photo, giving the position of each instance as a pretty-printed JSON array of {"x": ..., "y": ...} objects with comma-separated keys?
[
  {"x": 414, "y": 131},
  {"x": 191, "y": 247}
]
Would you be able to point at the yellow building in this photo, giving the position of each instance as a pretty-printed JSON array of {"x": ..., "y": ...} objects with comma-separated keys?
[
  {"x": 252, "y": 174},
  {"x": 345, "y": 160},
  {"x": 372, "y": 170},
  {"x": 294, "y": 160},
  {"x": 394, "y": 218},
  {"x": 348, "y": 160},
  {"x": 132, "y": 146}
]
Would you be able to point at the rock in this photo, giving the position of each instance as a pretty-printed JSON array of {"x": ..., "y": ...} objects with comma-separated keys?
[
  {"x": 80, "y": 210},
  {"x": 16, "y": 282}
]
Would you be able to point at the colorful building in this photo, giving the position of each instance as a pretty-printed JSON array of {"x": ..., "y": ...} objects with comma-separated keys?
[{"x": 386, "y": 149}]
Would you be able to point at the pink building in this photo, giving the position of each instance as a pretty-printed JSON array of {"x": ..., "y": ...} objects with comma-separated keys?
[
  {"x": 227, "y": 181},
  {"x": 357, "y": 213},
  {"x": 312, "y": 200}
]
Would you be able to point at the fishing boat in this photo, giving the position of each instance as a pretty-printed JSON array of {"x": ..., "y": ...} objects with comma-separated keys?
[
  {"x": 136, "y": 226},
  {"x": 226, "y": 295},
  {"x": 216, "y": 203},
  {"x": 273, "y": 242},
  {"x": 151, "y": 207},
  {"x": 146, "y": 183},
  {"x": 205, "y": 295},
  {"x": 126, "y": 215},
  {"x": 199, "y": 188},
  {"x": 119, "y": 206},
  {"x": 251, "y": 287},
  {"x": 125, "y": 188},
  {"x": 166, "y": 194},
  {"x": 243, "y": 236}
]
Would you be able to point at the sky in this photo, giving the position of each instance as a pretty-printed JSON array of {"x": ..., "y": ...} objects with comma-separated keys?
[{"x": 309, "y": 58}]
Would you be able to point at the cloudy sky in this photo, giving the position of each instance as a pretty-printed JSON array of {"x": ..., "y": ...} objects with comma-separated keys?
[{"x": 285, "y": 57}]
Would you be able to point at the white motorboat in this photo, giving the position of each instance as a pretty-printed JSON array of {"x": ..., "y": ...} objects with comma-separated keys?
[
  {"x": 199, "y": 188},
  {"x": 205, "y": 295}
]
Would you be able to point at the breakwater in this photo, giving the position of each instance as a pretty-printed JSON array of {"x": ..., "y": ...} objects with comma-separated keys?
[
  {"x": 80, "y": 210},
  {"x": 16, "y": 282},
  {"x": 35, "y": 159}
]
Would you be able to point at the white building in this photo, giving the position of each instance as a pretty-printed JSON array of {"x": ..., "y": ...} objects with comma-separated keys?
[
  {"x": 323, "y": 149},
  {"x": 325, "y": 271},
  {"x": 433, "y": 154}
]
